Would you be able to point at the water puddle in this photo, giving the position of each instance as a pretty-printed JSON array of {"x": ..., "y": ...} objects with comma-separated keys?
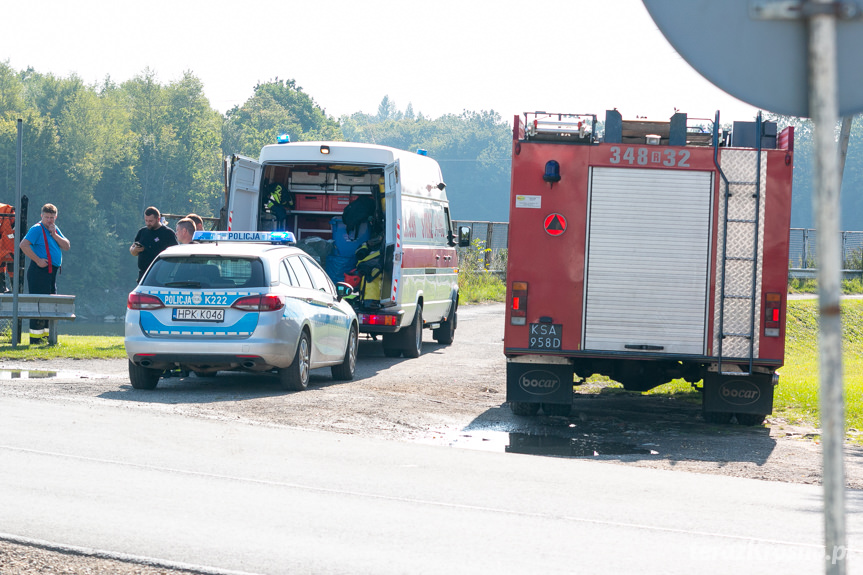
[
  {"x": 571, "y": 446},
  {"x": 26, "y": 374},
  {"x": 538, "y": 444}
]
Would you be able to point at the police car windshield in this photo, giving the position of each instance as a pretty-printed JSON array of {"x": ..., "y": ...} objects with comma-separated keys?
[{"x": 206, "y": 272}]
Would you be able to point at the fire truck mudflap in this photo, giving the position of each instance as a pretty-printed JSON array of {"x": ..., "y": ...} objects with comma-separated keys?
[
  {"x": 535, "y": 379},
  {"x": 656, "y": 252}
]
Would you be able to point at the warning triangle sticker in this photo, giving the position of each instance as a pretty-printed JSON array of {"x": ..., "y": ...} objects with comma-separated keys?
[{"x": 555, "y": 224}]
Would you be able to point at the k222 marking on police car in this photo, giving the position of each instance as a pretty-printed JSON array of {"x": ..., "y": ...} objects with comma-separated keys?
[{"x": 647, "y": 156}]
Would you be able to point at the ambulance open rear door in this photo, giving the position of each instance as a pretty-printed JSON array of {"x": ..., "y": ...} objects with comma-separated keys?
[{"x": 244, "y": 184}]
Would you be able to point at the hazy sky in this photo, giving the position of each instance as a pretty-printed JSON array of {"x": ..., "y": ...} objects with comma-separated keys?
[{"x": 442, "y": 56}]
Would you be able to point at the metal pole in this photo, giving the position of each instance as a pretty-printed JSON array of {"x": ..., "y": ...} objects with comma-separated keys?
[
  {"x": 823, "y": 107},
  {"x": 16, "y": 278}
]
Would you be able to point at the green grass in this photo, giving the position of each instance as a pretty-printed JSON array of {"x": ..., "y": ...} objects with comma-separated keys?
[
  {"x": 68, "y": 346},
  {"x": 851, "y": 286},
  {"x": 480, "y": 286},
  {"x": 475, "y": 282}
]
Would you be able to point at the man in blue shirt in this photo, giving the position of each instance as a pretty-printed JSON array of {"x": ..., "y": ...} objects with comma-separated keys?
[{"x": 44, "y": 244}]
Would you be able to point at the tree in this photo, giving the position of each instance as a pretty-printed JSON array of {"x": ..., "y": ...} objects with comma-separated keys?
[{"x": 276, "y": 107}]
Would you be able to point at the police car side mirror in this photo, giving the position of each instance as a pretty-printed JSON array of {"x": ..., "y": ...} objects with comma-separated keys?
[
  {"x": 343, "y": 290},
  {"x": 464, "y": 236}
]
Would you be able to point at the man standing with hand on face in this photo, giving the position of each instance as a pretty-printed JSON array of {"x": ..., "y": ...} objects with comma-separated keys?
[
  {"x": 151, "y": 240},
  {"x": 44, "y": 244}
]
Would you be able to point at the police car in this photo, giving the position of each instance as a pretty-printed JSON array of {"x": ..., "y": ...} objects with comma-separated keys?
[{"x": 239, "y": 301}]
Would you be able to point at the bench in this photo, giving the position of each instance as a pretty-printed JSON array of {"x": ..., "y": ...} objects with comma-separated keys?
[{"x": 38, "y": 306}]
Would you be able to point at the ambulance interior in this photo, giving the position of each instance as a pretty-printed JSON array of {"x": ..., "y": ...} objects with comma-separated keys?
[{"x": 337, "y": 214}]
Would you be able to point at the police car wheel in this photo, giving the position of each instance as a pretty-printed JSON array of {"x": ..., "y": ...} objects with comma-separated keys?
[
  {"x": 522, "y": 408},
  {"x": 446, "y": 332},
  {"x": 143, "y": 377},
  {"x": 296, "y": 376},
  {"x": 346, "y": 369},
  {"x": 413, "y": 342}
]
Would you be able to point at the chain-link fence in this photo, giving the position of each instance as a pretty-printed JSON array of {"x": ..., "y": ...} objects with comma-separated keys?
[
  {"x": 494, "y": 237},
  {"x": 802, "y": 250}
]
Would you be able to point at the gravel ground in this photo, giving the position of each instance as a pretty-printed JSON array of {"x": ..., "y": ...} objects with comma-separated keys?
[{"x": 450, "y": 396}]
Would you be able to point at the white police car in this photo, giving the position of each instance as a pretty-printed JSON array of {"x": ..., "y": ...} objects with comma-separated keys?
[{"x": 239, "y": 301}]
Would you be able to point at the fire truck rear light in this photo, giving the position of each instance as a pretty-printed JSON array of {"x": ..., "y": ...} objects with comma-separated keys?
[
  {"x": 518, "y": 308},
  {"x": 378, "y": 319},
  {"x": 772, "y": 314}
]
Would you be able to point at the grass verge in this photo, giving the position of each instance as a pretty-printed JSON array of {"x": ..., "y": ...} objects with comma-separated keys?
[{"x": 68, "y": 346}]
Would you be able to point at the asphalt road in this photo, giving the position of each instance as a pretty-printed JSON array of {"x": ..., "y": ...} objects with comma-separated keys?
[{"x": 245, "y": 498}]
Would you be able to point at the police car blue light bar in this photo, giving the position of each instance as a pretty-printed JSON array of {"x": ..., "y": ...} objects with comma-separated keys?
[{"x": 269, "y": 237}]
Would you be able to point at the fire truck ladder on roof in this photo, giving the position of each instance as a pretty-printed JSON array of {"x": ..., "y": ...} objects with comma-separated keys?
[{"x": 727, "y": 299}]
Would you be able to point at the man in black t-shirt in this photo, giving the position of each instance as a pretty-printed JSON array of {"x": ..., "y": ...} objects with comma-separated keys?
[{"x": 151, "y": 240}]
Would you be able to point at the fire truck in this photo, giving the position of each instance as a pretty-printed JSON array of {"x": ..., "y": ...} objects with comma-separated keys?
[{"x": 656, "y": 252}]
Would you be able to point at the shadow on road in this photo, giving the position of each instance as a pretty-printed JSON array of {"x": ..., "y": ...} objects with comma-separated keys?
[
  {"x": 623, "y": 426},
  {"x": 240, "y": 385}
]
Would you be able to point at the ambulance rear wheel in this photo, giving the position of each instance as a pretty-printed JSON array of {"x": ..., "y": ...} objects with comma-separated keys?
[
  {"x": 522, "y": 408},
  {"x": 413, "y": 335},
  {"x": 446, "y": 332}
]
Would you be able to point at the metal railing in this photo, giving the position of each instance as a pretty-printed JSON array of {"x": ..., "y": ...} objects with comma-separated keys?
[{"x": 802, "y": 260}]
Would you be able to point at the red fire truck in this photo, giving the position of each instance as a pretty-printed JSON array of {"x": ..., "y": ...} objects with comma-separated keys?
[{"x": 656, "y": 252}]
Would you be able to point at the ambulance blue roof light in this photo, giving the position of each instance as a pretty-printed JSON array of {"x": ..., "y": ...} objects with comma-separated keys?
[{"x": 284, "y": 139}]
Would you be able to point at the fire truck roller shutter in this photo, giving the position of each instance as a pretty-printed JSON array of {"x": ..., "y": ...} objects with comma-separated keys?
[{"x": 648, "y": 252}]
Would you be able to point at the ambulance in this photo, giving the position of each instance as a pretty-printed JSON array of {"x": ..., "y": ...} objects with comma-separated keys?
[
  {"x": 375, "y": 217},
  {"x": 655, "y": 252}
]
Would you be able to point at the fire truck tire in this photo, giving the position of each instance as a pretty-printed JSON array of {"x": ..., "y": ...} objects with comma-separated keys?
[
  {"x": 143, "y": 377},
  {"x": 558, "y": 409},
  {"x": 717, "y": 417},
  {"x": 522, "y": 408},
  {"x": 446, "y": 332},
  {"x": 750, "y": 418},
  {"x": 413, "y": 335},
  {"x": 391, "y": 343}
]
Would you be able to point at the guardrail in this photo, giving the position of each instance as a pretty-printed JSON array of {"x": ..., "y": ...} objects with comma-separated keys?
[{"x": 52, "y": 308}]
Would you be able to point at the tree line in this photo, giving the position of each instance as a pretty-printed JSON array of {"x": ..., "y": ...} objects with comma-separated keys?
[{"x": 104, "y": 152}]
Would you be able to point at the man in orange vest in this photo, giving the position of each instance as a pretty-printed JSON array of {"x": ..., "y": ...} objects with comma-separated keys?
[{"x": 7, "y": 245}]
